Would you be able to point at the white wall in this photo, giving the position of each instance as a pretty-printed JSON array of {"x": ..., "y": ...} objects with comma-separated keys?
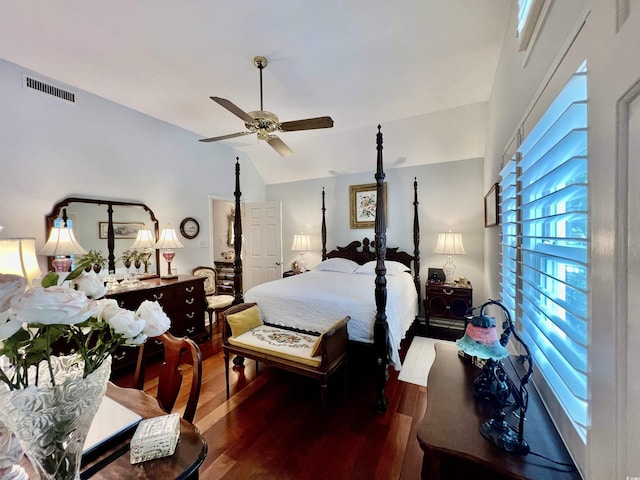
[
  {"x": 450, "y": 197},
  {"x": 99, "y": 149}
]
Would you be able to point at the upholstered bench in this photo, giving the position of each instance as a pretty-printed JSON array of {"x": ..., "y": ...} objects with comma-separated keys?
[{"x": 315, "y": 355}]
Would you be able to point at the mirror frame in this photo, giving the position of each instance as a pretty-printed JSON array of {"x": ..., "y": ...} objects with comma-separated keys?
[{"x": 57, "y": 210}]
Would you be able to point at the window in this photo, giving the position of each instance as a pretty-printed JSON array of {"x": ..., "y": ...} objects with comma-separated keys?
[
  {"x": 529, "y": 13},
  {"x": 545, "y": 244}
]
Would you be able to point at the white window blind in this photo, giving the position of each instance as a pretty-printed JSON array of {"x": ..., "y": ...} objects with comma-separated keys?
[{"x": 545, "y": 243}]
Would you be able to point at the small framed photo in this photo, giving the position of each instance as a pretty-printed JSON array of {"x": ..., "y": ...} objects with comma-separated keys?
[
  {"x": 491, "y": 213},
  {"x": 120, "y": 229},
  {"x": 362, "y": 204}
]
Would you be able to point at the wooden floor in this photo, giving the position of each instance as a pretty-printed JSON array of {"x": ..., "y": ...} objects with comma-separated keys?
[{"x": 272, "y": 427}]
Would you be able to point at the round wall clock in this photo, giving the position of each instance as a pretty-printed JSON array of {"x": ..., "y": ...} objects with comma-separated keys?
[{"x": 189, "y": 228}]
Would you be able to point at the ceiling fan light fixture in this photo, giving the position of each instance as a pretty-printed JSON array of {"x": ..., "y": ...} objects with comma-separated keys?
[{"x": 264, "y": 123}]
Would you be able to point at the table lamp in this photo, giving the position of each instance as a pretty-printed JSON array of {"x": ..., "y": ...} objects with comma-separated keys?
[
  {"x": 146, "y": 241},
  {"x": 18, "y": 257},
  {"x": 61, "y": 244},
  {"x": 301, "y": 243},
  {"x": 168, "y": 240},
  {"x": 449, "y": 243},
  {"x": 493, "y": 384}
]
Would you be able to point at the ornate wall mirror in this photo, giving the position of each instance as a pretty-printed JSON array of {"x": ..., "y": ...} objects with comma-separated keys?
[{"x": 106, "y": 225}]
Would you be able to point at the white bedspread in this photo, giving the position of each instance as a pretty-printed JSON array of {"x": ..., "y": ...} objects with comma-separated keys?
[{"x": 315, "y": 300}]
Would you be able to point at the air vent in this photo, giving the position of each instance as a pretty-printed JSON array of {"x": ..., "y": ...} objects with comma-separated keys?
[{"x": 48, "y": 89}]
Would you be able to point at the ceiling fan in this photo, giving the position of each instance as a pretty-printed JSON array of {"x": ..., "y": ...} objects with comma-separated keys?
[{"x": 265, "y": 123}]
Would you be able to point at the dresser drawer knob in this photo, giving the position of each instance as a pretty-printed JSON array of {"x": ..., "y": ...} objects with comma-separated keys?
[
  {"x": 190, "y": 301},
  {"x": 189, "y": 289},
  {"x": 191, "y": 315},
  {"x": 158, "y": 296},
  {"x": 447, "y": 292},
  {"x": 191, "y": 330},
  {"x": 120, "y": 356}
]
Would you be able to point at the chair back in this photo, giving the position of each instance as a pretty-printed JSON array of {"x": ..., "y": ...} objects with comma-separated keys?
[
  {"x": 170, "y": 378},
  {"x": 210, "y": 275}
]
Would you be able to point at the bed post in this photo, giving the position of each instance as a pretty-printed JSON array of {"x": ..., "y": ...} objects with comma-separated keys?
[
  {"x": 237, "y": 242},
  {"x": 416, "y": 243},
  {"x": 324, "y": 229},
  {"x": 381, "y": 327}
]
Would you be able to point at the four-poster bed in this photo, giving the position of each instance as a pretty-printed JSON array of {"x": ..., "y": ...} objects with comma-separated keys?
[{"x": 341, "y": 284}]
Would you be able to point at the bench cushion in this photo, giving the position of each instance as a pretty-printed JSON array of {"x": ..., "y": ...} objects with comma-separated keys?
[
  {"x": 280, "y": 343},
  {"x": 245, "y": 320}
]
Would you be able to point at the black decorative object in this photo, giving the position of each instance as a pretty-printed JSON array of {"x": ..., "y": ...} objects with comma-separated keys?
[{"x": 493, "y": 384}]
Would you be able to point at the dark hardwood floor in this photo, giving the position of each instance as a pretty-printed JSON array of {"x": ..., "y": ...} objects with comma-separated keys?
[{"x": 273, "y": 427}]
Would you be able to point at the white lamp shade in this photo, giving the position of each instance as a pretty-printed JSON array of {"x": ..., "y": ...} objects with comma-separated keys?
[
  {"x": 145, "y": 239},
  {"x": 18, "y": 257},
  {"x": 168, "y": 239},
  {"x": 301, "y": 243},
  {"x": 62, "y": 242},
  {"x": 449, "y": 243}
]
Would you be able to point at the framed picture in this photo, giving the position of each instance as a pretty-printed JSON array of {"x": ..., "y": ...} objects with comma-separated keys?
[
  {"x": 491, "y": 216},
  {"x": 121, "y": 229},
  {"x": 362, "y": 204}
]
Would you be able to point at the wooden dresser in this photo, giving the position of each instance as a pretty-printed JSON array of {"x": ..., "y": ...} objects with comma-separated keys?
[
  {"x": 225, "y": 277},
  {"x": 183, "y": 301}
]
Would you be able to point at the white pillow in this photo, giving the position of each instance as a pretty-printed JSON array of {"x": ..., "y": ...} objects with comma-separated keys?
[
  {"x": 342, "y": 265},
  {"x": 393, "y": 268}
]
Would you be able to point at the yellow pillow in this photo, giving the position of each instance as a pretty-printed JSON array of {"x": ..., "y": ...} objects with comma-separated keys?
[
  {"x": 244, "y": 321},
  {"x": 316, "y": 346}
]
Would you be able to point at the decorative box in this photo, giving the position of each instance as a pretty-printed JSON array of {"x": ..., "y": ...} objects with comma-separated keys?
[{"x": 155, "y": 438}]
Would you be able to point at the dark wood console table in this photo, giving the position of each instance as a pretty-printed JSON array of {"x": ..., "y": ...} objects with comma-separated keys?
[{"x": 450, "y": 437}]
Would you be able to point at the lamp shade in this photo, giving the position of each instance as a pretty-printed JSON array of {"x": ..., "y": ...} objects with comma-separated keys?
[
  {"x": 18, "y": 257},
  {"x": 145, "y": 239},
  {"x": 168, "y": 239},
  {"x": 61, "y": 242},
  {"x": 301, "y": 243},
  {"x": 481, "y": 339},
  {"x": 449, "y": 243}
]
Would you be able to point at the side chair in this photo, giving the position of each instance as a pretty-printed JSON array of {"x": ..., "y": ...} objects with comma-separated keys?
[
  {"x": 216, "y": 303},
  {"x": 170, "y": 378}
]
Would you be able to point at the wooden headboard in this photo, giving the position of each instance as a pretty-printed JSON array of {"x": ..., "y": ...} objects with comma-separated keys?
[{"x": 363, "y": 252}]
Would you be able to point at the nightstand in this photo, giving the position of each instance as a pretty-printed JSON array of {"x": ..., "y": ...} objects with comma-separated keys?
[
  {"x": 290, "y": 273},
  {"x": 445, "y": 307}
]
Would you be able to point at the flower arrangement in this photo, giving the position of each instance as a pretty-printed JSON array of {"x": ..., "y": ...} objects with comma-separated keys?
[{"x": 32, "y": 320}]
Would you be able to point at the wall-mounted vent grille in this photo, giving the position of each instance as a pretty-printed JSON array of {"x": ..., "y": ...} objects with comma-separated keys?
[{"x": 49, "y": 89}]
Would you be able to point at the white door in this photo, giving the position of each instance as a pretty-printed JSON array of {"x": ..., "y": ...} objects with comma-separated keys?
[{"x": 262, "y": 231}]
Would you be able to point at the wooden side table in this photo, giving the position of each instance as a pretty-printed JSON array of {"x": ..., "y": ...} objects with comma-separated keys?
[
  {"x": 445, "y": 308},
  {"x": 450, "y": 437}
]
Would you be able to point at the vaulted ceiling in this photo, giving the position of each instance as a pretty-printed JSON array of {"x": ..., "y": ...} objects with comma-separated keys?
[{"x": 423, "y": 69}]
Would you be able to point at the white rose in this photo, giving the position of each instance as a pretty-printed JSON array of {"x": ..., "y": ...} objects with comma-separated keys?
[
  {"x": 156, "y": 320},
  {"x": 10, "y": 285},
  {"x": 90, "y": 284},
  {"x": 139, "y": 340},
  {"x": 53, "y": 305},
  {"x": 9, "y": 325},
  {"x": 125, "y": 322}
]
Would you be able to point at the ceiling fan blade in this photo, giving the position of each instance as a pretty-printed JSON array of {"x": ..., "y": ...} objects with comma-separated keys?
[
  {"x": 307, "y": 124},
  {"x": 279, "y": 146},
  {"x": 225, "y": 137},
  {"x": 237, "y": 111}
]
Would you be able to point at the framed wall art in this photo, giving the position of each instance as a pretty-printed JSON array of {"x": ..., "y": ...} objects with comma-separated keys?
[
  {"x": 121, "y": 229},
  {"x": 491, "y": 214},
  {"x": 362, "y": 204}
]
